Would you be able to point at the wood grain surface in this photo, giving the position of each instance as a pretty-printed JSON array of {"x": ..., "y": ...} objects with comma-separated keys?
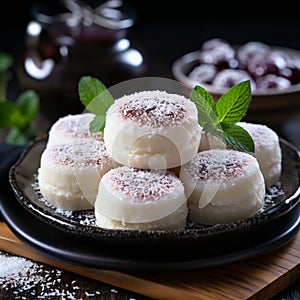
[{"x": 259, "y": 278}]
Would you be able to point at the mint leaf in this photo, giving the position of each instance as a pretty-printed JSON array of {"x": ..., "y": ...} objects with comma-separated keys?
[
  {"x": 233, "y": 105},
  {"x": 96, "y": 98},
  {"x": 94, "y": 95},
  {"x": 98, "y": 123},
  {"x": 6, "y": 61},
  {"x": 16, "y": 116},
  {"x": 10, "y": 115},
  {"x": 17, "y": 136},
  {"x": 28, "y": 105},
  {"x": 237, "y": 138},
  {"x": 88, "y": 88},
  {"x": 220, "y": 118},
  {"x": 206, "y": 107}
]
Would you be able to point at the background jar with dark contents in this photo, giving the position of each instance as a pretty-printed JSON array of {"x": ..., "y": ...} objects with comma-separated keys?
[{"x": 69, "y": 39}]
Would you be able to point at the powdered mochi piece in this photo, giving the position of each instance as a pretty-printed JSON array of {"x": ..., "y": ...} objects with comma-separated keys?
[
  {"x": 222, "y": 186},
  {"x": 72, "y": 127},
  {"x": 69, "y": 174},
  {"x": 267, "y": 150},
  {"x": 152, "y": 130},
  {"x": 141, "y": 199}
]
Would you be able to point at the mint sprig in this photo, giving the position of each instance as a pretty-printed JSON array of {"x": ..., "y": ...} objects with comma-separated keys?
[
  {"x": 96, "y": 98},
  {"x": 19, "y": 118},
  {"x": 220, "y": 118}
]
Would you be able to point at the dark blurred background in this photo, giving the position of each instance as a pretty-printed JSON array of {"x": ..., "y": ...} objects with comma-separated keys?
[{"x": 165, "y": 30}]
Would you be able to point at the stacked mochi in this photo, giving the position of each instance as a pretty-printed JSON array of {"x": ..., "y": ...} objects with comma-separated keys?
[
  {"x": 150, "y": 133},
  {"x": 154, "y": 167},
  {"x": 73, "y": 163}
]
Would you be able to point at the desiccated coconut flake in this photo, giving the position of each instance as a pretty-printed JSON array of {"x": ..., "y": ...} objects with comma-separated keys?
[{"x": 25, "y": 279}]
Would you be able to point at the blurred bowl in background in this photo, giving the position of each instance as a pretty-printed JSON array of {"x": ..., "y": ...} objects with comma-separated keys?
[{"x": 271, "y": 104}]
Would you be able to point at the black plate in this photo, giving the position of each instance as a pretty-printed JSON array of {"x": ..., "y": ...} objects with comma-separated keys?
[{"x": 196, "y": 246}]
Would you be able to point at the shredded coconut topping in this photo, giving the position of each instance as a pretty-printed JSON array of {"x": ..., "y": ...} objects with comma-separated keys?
[
  {"x": 154, "y": 111},
  {"x": 218, "y": 164},
  {"x": 79, "y": 154},
  {"x": 142, "y": 185},
  {"x": 77, "y": 126}
]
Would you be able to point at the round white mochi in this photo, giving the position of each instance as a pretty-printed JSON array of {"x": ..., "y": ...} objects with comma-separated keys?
[
  {"x": 267, "y": 150},
  {"x": 223, "y": 186},
  {"x": 70, "y": 173},
  {"x": 136, "y": 198},
  {"x": 152, "y": 130},
  {"x": 68, "y": 128}
]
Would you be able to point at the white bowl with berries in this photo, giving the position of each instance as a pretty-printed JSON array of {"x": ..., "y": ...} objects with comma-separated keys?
[{"x": 273, "y": 71}]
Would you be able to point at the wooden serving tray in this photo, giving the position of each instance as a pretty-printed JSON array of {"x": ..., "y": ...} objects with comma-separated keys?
[{"x": 259, "y": 278}]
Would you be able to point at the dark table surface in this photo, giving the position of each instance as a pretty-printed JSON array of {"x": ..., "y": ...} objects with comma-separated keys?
[{"x": 163, "y": 35}]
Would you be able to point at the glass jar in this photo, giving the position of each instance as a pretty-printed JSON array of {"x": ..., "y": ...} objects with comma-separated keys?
[{"x": 69, "y": 39}]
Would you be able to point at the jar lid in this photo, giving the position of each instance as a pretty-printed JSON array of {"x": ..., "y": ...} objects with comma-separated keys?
[{"x": 110, "y": 14}]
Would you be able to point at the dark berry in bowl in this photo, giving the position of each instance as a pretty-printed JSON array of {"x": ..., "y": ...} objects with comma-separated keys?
[
  {"x": 247, "y": 51},
  {"x": 292, "y": 71},
  {"x": 222, "y": 56},
  {"x": 204, "y": 73},
  {"x": 272, "y": 81},
  {"x": 262, "y": 64},
  {"x": 214, "y": 43},
  {"x": 230, "y": 77}
]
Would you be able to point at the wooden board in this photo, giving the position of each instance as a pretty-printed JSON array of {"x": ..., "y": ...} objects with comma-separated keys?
[{"x": 259, "y": 278}]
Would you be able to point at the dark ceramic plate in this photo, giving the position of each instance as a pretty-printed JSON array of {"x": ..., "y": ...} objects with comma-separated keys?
[{"x": 75, "y": 238}]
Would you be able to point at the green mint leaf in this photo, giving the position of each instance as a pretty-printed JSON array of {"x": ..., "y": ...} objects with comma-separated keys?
[
  {"x": 233, "y": 105},
  {"x": 98, "y": 123},
  {"x": 6, "y": 61},
  {"x": 94, "y": 95},
  {"x": 237, "y": 138},
  {"x": 28, "y": 105},
  {"x": 220, "y": 118},
  {"x": 206, "y": 107},
  {"x": 16, "y": 136},
  {"x": 10, "y": 115},
  {"x": 88, "y": 88}
]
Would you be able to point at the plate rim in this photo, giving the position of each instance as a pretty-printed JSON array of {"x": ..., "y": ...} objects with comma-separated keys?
[
  {"x": 281, "y": 208},
  {"x": 82, "y": 257}
]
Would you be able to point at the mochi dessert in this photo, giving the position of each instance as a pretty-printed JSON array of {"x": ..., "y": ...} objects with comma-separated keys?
[
  {"x": 152, "y": 130},
  {"x": 223, "y": 186},
  {"x": 136, "y": 199},
  {"x": 267, "y": 150},
  {"x": 69, "y": 174},
  {"x": 69, "y": 127}
]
